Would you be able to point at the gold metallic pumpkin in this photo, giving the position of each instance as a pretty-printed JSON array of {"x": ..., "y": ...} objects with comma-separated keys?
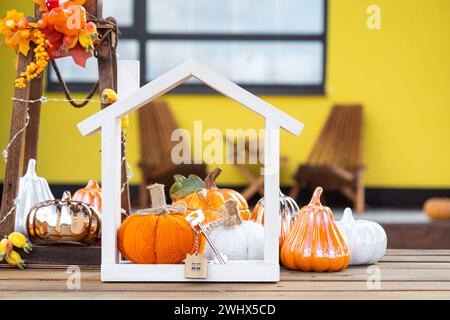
[{"x": 64, "y": 222}]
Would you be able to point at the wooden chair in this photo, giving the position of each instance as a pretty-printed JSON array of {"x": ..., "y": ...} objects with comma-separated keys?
[
  {"x": 156, "y": 124},
  {"x": 336, "y": 161},
  {"x": 255, "y": 181}
]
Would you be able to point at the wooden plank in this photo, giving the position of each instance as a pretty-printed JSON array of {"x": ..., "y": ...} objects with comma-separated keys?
[
  {"x": 46, "y": 267},
  {"x": 271, "y": 190},
  {"x": 413, "y": 265},
  {"x": 111, "y": 183},
  {"x": 383, "y": 265},
  {"x": 57, "y": 272},
  {"x": 295, "y": 286},
  {"x": 128, "y": 81},
  {"x": 416, "y": 258},
  {"x": 363, "y": 273},
  {"x": 351, "y": 274},
  {"x": 94, "y": 7},
  {"x": 107, "y": 71},
  {"x": 14, "y": 163},
  {"x": 42, "y": 275},
  {"x": 32, "y": 132},
  {"x": 402, "y": 252},
  {"x": 207, "y": 295},
  {"x": 421, "y": 280},
  {"x": 64, "y": 255},
  {"x": 433, "y": 235},
  {"x": 233, "y": 271}
]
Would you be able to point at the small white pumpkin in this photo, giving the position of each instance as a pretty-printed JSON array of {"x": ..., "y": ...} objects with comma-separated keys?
[
  {"x": 237, "y": 239},
  {"x": 32, "y": 190},
  {"x": 365, "y": 239}
]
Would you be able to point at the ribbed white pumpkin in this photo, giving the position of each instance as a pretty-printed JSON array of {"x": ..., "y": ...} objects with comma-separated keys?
[
  {"x": 237, "y": 239},
  {"x": 32, "y": 190},
  {"x": 365, "y": 239}
]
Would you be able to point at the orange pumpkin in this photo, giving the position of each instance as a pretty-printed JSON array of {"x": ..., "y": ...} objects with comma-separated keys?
[
  {"x": 197, "y": 194},
  {"x": 160, "y": 235},
  {"x": 315, "y": 244},
  {"x": 91, "y": 194},
  {"x": 437, "y": 208}
]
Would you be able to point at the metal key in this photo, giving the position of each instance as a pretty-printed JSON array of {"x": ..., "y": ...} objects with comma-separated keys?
[{"x": 195, "y": 219}]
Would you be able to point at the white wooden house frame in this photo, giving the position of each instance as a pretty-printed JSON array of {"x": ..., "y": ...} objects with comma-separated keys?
[{"x": 108, "y": 121}]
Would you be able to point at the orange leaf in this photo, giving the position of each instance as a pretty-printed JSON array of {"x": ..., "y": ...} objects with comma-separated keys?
[
  {"x": 14, "y": 15},
  {"x": 24, "y": 46},
  {"x": 80, "y": 55}
]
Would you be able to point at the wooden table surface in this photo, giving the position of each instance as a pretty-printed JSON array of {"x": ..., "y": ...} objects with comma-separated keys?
[{"x": 404, "y": 274}]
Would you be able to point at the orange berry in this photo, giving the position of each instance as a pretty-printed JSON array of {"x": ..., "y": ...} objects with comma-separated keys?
[
  {"x": 10, "y": 24},
  {"x": 25, "y": 34},
  {"x": 42, "y": 24},
  {"x": 22, "y": 24}
]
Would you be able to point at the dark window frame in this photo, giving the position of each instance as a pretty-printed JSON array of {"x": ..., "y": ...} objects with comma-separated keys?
[{"x": 135, "y": 33}]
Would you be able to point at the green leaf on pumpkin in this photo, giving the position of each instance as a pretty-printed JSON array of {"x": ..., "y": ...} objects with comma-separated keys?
[{"x": 184, "y": 186}]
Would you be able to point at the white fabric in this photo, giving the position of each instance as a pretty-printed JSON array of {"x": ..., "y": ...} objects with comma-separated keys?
[{"x": 244, "y": 242}]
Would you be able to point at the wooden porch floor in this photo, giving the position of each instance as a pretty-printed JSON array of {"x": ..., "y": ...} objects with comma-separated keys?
[{"x": 404, "y": 274}]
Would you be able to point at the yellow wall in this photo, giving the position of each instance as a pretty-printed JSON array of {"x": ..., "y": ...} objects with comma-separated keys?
[{"x": 401, "y": 74}]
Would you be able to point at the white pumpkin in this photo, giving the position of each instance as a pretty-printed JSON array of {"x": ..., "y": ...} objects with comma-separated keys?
[
  {"x": 32, "y": 190},
  {"x": 365, "y": 239},
  {"x": 237, "y": 239}
]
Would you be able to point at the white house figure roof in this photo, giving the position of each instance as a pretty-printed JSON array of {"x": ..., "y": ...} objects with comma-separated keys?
[{"x": 178, "y": 76}]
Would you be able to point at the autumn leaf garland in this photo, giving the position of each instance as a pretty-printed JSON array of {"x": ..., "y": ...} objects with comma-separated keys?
[{"x": 54, "y": 35}]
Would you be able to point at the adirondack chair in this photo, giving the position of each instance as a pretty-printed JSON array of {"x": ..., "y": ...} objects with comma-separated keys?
[
  {"x": 156, "y": 124},
  {"x": 336, "y": 161},
  {"x": 255, "y": 181}
]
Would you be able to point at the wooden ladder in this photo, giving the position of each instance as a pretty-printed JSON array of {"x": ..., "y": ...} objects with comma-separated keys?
[{"x": 25, "y": 145}]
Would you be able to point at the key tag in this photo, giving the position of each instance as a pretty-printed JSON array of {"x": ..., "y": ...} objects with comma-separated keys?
[
  {"x": 196, "y": 265},
  {"x": 195, "y": 220}
]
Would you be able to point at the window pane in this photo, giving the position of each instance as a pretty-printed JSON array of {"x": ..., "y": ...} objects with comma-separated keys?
[
  {"x": 72, "y": 72},
  {"x": 122, "y": 10},
  {"x": 128, "y": 49},
  {"x": 245, "y": 62},
  {"x": 235, "y": 16}
]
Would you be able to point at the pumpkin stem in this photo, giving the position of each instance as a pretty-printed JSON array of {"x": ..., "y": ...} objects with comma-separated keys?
[
  {"x": 348, "y": 216},
  {"x": 157, "y": 196},
  {"x": 66, "y": 196},
  {"x": 31, "y": 170},
  {"x": 232, "y": 218},
  {"x": 315, "y": 200},
  {"x": 92, "y": 184},
  {"x": 210, "y": 180}
]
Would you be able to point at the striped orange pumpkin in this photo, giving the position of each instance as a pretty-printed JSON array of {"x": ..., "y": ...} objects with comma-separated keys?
[
  {"x": 315, "y": 243},
  {"x": 91, "y": 194}
]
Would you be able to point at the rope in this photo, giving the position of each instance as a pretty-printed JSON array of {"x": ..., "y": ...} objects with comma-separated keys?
[
  {"x": 114, "y": 27},
  {"x": 44, "y": 99},
  {"x": 66, "y": 90}
]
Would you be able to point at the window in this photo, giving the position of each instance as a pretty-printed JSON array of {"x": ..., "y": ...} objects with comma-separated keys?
[{"x": 267, "y": 46}]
